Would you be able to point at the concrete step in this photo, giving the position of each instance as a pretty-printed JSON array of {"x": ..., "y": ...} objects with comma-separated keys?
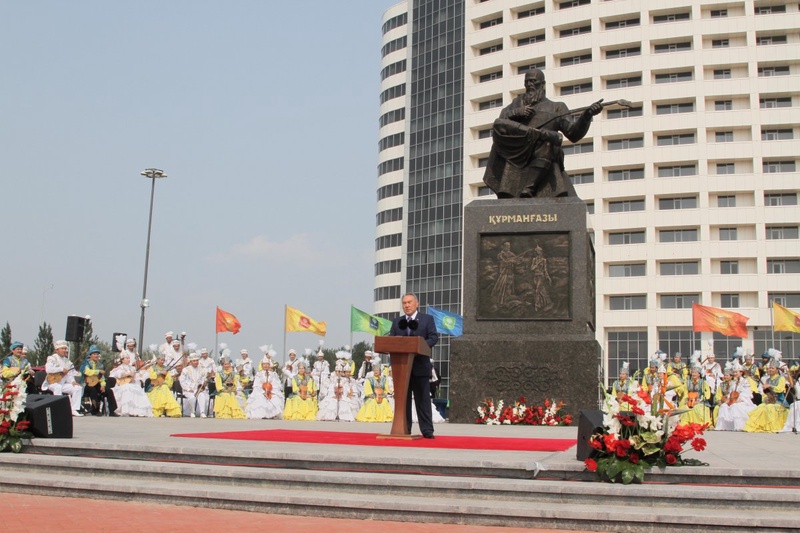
[
  {"x": 623, "y": 515},
  {"x": 761, "y": 499}
]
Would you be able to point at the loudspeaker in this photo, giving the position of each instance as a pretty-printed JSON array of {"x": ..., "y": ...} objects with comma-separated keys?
[
  {"x": 589, "y": 423},
  {"x": 50, "y": 416},
  {"x": 75, "y": 327}
]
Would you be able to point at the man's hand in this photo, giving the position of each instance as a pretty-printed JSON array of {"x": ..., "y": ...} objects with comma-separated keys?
[
  {"x": 522, "y": 112},
  {"x": 552, "y": 137},
  {"x": 595, "y": 108}
]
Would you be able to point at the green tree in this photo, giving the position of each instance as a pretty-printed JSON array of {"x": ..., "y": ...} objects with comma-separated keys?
[
  {"x": 42, "y": 346},
  {"x": 5, "y": 340}
]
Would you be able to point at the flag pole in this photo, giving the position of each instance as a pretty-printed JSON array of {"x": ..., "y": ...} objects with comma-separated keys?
[
  {"x": 216, "y": 335},
  {"x": 285, "y": 311},
  {"x": 772, "y": 323}
]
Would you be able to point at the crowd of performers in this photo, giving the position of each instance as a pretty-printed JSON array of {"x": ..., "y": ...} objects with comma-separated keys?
[
  {"x": 744, "y": 395},
  {"x": 178, "y": 382}
]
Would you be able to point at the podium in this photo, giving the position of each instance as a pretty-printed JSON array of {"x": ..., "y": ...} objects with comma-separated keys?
[{"x": 402, "y": 351}]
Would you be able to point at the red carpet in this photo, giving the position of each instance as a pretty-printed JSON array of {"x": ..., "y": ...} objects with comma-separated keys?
[{"x": 370, "y": 439}]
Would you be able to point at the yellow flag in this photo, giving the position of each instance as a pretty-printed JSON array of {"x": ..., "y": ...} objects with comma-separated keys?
[
  {"x": 296, "y": 320},
  {"x": 784, "y": 319}
]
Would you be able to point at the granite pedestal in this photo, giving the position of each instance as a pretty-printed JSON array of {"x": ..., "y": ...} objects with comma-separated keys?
[{"x": 529, "y": 307}]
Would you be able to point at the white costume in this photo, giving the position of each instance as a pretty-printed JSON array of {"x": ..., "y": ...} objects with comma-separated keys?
[
  {"x": 192, "y": 379},
  {"x": 437, "y": 418},
  {"x": 733, "y": 417},
  {"x": 131, "y": 398},
  {"x": 258, "y": 405},
  {"x": 321, "y": 372},
  {"x": 344, "y": 408},
  {"x": 793, "y": 419},
  {"x": 68, "y": 383}
]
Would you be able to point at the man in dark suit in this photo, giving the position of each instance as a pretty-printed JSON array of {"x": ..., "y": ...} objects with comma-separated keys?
[{"x": 412, "y": 322}]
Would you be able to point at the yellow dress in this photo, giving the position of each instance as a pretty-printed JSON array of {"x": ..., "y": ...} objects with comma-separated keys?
[
  {"x": 160, "y": 396},
  {"x": 296, "y": 407},
  {"x": 225, "y": 403},
  {"x": 696, "y": 394},
  {"x": 372, "y": 411},
  {"x": 769, "y": 417}
]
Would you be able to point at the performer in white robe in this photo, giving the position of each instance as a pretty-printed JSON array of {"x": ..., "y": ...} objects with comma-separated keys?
[
  {"x": 131, "y": 398},
  {"x": 194, "y": 384},
  {"x": 266, "y": 400},
  {"x": 62, "y": 378},
  {"x": 735, "y": 406}
]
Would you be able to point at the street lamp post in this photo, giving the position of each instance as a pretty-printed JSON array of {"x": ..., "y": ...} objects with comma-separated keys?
[{"x": 152, "y": 174}]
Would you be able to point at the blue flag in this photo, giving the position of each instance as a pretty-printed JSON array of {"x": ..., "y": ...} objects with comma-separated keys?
[{"x": 447, "y": 322}]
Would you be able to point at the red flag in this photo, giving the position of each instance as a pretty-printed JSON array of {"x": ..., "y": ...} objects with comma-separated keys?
[
  {"x": 227, "y": 322},
  {"x": 713, "y": 319}
]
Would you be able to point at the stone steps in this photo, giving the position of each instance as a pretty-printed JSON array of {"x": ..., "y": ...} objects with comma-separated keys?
[{"x": 408, "y": 497}]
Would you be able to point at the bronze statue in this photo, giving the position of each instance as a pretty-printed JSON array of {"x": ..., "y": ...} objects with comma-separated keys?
[{"x": 526, "y": 160}]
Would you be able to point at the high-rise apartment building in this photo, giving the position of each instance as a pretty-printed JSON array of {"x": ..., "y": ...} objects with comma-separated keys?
[{"x": 692, "y": 192}]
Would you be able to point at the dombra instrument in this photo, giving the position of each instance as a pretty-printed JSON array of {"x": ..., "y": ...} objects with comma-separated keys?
[
  {"x": 691, "y": 400},
  {"x": 91, "y": 381},
  {"x": 733, "y": 397},
  {"x": 303, "y": 392},
  {"x": 379, "y": 395},
  {"x": 267, "y": 389}
]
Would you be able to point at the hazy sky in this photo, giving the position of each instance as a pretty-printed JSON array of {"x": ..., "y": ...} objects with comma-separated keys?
[{"x": 263, "y": 114}]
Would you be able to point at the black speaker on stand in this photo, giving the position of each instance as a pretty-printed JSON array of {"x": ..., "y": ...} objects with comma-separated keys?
[
  {"x": 590, "y": 423},
  {"x": 50, "y": 416},
  {"x": 75, "y": 328}
]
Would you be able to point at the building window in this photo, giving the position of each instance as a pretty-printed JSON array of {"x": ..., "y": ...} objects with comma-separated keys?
[
  {"x": 489, "y": 23},
  {"x": 728, "y": 234},
  {"x": 786, "y": 299},
  {"x": 719, "y": 13},
  {"x": 688, "y": 202},
  {"x": 628, "y": 302},
  {"x": 626, "y": 237},
  {"x": 390, "y": 166},
  {"x": 390, "y": 117},
  {"x": 726, "y": 168},
  {"x": 626, "y": 346},
  {"x": 388, "y": 241},
  {"x": 393, "y": 189},
  {"x": 390, "y": 215},
  {"x": 723, "y": 137},
  {"x": 672, "y": 140},
  {"x": 582, "y": 178},
  {"x": 627, "y": 23},
  {"x": 387, "y": 293},
  {"x": 672, "y": 109},
  {"x": 720, "y": 43},
  {"x": 485, "y": 134},
  {"x": 727, "y": 200},
  {"x": 677, "y": 235},
  {"x": 482, "y": 162},
  {"x": 678, "y": 170},
  {"x": 722, "y": 74},
  {"x": 723, "y": 105},
  {"x": 624, "y": 52},
  {"x": 679, "y": 301},
  {"x": 569, "y": 32},
  {"x": 394, "y": 68},
  {"x": 590, "y": 210},
  {"x": 576, "y": 89},
  {"x": 490, "y": 104},
  {"x": 778, "y": 199},
  {"x": 771, "y": 103},
  {"x": 582, "y": 148},
  {"x": 625, "y": 174},
  {"x": 387, "y": 267},
  {"x": 530, "y": 40},
  {"x": 671, "y": 17},
  {"x": 530, "y": 12},
  {"x": 633, "y": 81},
  {"x": 776, "y": 134},
  {"x": 770, "y": 10},
  {"x": 679, "y": 268},
  {"x": 667, "y": 48},
  {"x": 623, "y": 206},
  {"x": 683, "y": 341},
  {"x": 390, "y": 141},
  {"x": 573, "y": 3},
  {"x": 393, "y": 46},
  {"x": 766, "y": 40},
  {"x": 491, "y": 76},
  {"x": 782, "y": 232},
  {"x": 783, "y": 266},
  {"x": 773, "y": 167},
  {"x": 628, "y": 270},
  {"x": 393, "y": 92},
  {"x": 624, "y": 144},
  {"x": 491, "y": 49},
  {"x": 624, "y": 112},
  {"x": 765, "y": 72},
  {"x": 729, "y": 267},
  {"x": 395, "y": 22},
  {"x": 674, "y": 77},
  {"x": 729, "y": 300},
  {"x": 576, "y": 60},
  {"x": 522, "y": 69}
]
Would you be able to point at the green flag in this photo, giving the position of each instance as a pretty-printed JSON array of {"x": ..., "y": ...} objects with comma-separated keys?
[{"x": 361, "y": 321}]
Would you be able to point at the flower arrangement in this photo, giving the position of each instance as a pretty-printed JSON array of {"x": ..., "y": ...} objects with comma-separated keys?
[
  {"x": 13, "y": 426},
  {"x": 550, "y": 414},
  {"x": 640, "y": 433}
]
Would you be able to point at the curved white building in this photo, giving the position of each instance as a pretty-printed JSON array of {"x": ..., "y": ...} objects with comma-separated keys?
[{"x": 693, "y": 191}]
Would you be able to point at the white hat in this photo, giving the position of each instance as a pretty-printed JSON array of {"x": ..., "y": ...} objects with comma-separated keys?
[
  {"x": 244, "y": 351},
  {"x": 368, "y": 354},
  {"x": 169, "y": 334},
  {"x": 203, "y": 351},
  {"x": 193, "y": 357},
  {"x": 176, "y": 341},
  {"x": 292, "y": 351},
  {"x": 60, "y": 344},
  {"x": 130, "y": 341}
]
